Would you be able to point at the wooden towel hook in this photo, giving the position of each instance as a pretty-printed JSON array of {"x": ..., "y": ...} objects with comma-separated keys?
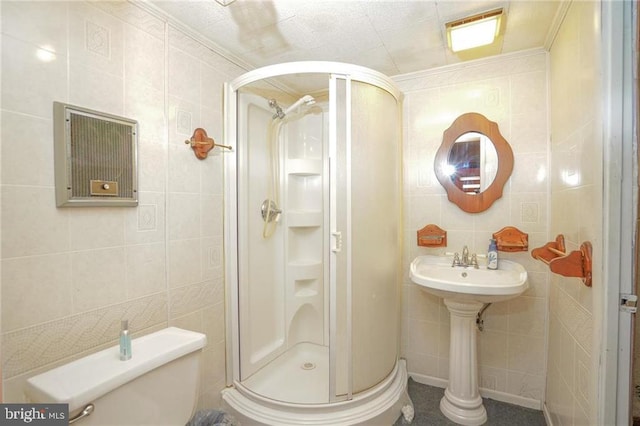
[
  {"x": 202, "y": 144},
  {"x": 578, "y": 263}
]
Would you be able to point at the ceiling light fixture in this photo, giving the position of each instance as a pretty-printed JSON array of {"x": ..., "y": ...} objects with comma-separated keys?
[{"x": 474, "y": 31}]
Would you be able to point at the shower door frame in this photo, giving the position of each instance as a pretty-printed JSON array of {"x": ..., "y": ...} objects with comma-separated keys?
[{"x": 347, "y": 72}]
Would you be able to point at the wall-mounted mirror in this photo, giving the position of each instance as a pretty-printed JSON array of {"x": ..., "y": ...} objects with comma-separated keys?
[{"x": 473, "y": 163}]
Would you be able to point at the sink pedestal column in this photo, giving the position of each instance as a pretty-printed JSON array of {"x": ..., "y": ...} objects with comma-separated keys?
[{"x": 462, "y": 402}]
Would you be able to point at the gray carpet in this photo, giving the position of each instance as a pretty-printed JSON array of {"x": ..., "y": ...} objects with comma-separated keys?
[{"x": 426, "y": 403}]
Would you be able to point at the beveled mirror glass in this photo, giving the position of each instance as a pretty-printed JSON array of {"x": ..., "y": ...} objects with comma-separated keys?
[{"x": 473, "y": 163}]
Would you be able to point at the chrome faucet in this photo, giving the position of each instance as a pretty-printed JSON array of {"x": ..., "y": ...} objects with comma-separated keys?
[
  {"x": 456, "y": 260},
  {"x": 474, "y": 261},
  {"x": 464, "y": 260},
  {"x": 465, "y": 256}
]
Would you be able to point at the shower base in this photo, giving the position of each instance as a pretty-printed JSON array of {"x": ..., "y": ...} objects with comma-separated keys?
[
  {"x": 299, "y": 376},
  {"x": 380, "y": 405}
]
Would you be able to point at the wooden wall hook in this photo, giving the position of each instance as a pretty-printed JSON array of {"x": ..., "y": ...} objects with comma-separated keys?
[
  {"x": 577, "y": 264},
  {"x": 202, "y": 144}
]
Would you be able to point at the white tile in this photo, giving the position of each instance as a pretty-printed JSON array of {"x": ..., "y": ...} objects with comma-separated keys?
[
  {"x": 191, "y": 321},
  {"x": 144, "y": 58},
  {"x": 95, "y": 89},
  {"x": 214, "y": 323},
  {"x": 492, "y": 349},
  {"x": 496, "y": 317},
  {"x": 528, "y": 92},
  {"x": 146, "y": 105},
  {"x": 184, "y": 118},
  {"x": 211, "y": 85},
  {"x": 98, "y": 278},
  {"x": 31, "y": 223},
  {"x": 492, "y": 378},
  {"x": 529, "y": 132},
  {"x": 185, "y": 264},
  {"x": 27, "y": 160},
  {"x": 444, "y": 340},
  {"x": 525, "y": 385},
  {"x": 37, "y": 23},
  {"x": 145, "y": 224},
  {"x": 583, "y": 387},
  {"x": 184, "y": 76},
  {"x": 92, "y": 227},
  {"x": 423, "y": 337},
  {"x": 30, "y": 85},
  {"x": 192, "y": 297},
  {"x": 527, "y": 316},
  {"x": 33, "y": 347},
  {"x": 212, "y": 258},
  {"x": 530, "y": 172},
  {"x": 423, "y": 210},
  {"x": 422, "y": 305},
  {"x": 35, "y": 290},
  {"x": 152, "y": 165},
  {"x": 526, "y": 354},
  {"x": 538, "y": 284},
  {"x": 145, "y": 269},
  {"x": 212, "y": 172},
  {"x": 183, "y": 216},
  {"x": 184, "y": 169},
  {"x": 96, "y": 40},
  {"x": 420, "y": 363}
]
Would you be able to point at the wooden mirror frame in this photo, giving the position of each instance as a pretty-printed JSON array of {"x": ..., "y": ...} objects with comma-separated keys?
[{"x": 474, "y": 122}]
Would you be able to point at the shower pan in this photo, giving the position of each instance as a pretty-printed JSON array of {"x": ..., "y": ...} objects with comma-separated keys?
[{"x": 313, "y": 246}]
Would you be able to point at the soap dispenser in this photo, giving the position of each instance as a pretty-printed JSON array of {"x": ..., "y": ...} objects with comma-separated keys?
[
  {"x": 125, "y": 341},
  {"x": 492, "y": 255}
]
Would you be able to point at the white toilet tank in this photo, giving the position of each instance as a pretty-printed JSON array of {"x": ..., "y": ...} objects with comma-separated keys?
[{"x": 158, "y": 386}]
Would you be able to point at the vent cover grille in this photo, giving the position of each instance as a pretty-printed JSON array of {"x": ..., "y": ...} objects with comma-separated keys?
[{"x": 95, "y": 158}]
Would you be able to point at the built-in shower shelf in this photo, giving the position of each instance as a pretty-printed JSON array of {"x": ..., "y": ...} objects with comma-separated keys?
[
  {"x": 305, "y": 270},
  {"x": 306, "y": 292},
  {"x": 304, "y": 167},
  {"x": 304, "y": 218}
]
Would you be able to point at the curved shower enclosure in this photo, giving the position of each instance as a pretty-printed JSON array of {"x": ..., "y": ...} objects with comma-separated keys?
[{"x": 313, "y": 246}]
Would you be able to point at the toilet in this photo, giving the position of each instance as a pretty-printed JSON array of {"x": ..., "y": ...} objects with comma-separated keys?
[{"x": 158, "y": 386}]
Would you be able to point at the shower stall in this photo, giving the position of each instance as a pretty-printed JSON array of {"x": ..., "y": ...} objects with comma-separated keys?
[{"x": 313, "y": 246}]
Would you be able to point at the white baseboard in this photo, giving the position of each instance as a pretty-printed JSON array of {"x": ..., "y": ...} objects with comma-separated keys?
[{"x": 485, "y": 393}]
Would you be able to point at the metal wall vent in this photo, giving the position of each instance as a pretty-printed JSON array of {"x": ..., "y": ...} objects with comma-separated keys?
[{"x": 95, "y": 158}]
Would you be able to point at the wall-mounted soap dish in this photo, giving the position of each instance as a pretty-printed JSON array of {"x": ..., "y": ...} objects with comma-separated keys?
[{"x": 432, "y": 236}]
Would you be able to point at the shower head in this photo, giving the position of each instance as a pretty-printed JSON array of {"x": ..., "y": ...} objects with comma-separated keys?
[
  {"x": 274, "y": 104},
  {"x": 305, "y": 100}
]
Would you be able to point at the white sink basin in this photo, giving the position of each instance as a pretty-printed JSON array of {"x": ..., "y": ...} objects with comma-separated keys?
[{"x": 436, "y": 275}]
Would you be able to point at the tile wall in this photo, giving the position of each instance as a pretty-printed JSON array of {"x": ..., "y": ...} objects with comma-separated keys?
[
  {"x": 512, "y": 91},
  {"x": 69, "y": 275},
  {"x": 576, "y": 200}
]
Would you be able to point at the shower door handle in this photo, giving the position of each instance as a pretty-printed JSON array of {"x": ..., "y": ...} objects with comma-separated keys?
[{"x": 337, "y": 247}]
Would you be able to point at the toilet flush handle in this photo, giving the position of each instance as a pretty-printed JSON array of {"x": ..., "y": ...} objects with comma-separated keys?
[{"x": 86, "y": 412}]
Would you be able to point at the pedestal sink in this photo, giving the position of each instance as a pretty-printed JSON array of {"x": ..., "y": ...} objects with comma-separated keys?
[{"x": 465, "y": 291}]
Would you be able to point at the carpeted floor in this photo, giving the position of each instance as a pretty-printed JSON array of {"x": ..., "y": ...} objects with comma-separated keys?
[{"x": 426, "y": 403}]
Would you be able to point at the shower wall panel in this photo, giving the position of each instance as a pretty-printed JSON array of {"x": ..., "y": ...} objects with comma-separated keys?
[{"x": 262, "y": 319}]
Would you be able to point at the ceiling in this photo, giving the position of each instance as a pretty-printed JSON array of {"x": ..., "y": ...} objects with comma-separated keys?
[{"x": 390, "y": 36}]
